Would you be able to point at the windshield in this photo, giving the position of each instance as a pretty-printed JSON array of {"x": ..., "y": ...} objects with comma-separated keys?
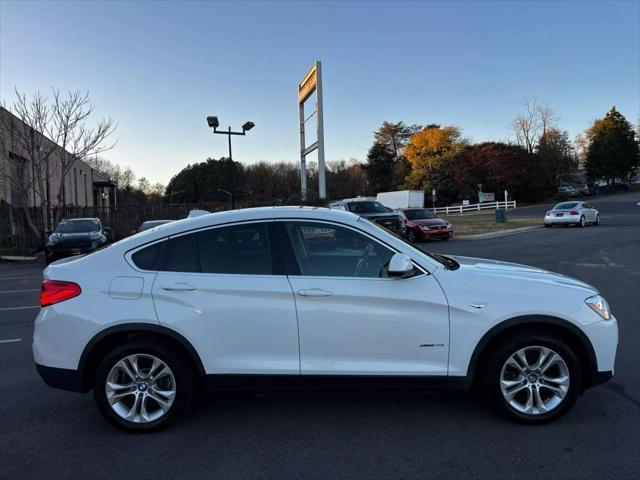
[
  {"x": 78, "y": 226},
  {"x": 566, "y": 206},
  {"x": 367, "y": 207},
  {"x": 419, "y": 214}
]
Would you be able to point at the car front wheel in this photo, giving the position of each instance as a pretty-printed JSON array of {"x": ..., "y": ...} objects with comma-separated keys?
[
  {"x": 411, "y": 236},
  {"x": 533, "y": 378},
  {"x": 143, "y": 385}
]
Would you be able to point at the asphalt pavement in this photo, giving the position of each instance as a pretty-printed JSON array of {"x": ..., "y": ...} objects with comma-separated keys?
[{"x": 47, "y": 433}]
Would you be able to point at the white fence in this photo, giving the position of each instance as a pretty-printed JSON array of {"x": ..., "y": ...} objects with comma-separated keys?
[{"x": 475, "y": 207}]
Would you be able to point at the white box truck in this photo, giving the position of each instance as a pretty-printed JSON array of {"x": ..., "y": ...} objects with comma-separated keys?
[{"x": 402, "y": 199}]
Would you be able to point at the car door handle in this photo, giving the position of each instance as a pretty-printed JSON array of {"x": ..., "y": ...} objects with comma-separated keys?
[
  {"x": 178, "y": 287},
  {"x": 314, "y": 292}
]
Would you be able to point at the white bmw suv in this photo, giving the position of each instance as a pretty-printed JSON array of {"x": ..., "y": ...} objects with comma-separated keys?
[{"x": 290, "y": 296}]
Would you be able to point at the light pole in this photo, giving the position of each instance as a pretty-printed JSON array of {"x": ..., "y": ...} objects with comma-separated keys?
[{"x": 214, "y": 123}]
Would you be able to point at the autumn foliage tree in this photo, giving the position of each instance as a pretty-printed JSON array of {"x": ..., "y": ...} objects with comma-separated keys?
[{"x": 427, "y": 149}]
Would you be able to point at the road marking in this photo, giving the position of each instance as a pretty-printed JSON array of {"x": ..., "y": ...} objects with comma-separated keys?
[
  {"x": 11, "y": 340},
  {"x": 19, "y": 291},
  {"x": 18, "y": 308}
]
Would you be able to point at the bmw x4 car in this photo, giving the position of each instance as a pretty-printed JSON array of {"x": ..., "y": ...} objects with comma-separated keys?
[{"x": 290, "y": 296}]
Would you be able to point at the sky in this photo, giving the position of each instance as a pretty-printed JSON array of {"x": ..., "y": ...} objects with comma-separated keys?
[{"x": 159, "y": 68}]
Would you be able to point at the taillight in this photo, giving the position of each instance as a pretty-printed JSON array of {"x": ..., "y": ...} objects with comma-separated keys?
[
  {"x": 573, "y": 212},
  {"x": 55, "y": 291}
]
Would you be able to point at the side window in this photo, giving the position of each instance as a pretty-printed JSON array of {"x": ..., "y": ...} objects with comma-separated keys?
[
  {"x": 240, "y": 249},
  {"x": 149, "y": 257},
  {"x": 181, "y": 254},
  {"x": 332, "y": 251},
  {"x": 586, "y": 205}
]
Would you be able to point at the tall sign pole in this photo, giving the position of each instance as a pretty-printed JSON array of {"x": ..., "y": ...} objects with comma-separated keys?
[{"x": 312, "y": 82}]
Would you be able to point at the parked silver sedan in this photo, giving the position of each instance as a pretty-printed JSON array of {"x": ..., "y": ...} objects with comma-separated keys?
[{"x": 572, "y": 213}]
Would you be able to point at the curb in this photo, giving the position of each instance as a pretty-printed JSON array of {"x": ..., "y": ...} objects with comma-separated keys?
[
  {"x": 503, "y": 233},
  {"x": 17, "y": 258}
]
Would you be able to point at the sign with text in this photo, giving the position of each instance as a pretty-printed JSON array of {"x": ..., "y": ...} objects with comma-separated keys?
[{"x": 308, "y": 85}]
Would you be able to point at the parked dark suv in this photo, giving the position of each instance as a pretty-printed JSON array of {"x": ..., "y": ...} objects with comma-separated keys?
[
  {"x": 76, "y": 237},
  {"x": 374, "y": 211}
]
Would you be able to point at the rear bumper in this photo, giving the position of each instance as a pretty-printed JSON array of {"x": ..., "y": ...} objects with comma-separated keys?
[
  {"x": 61, "y": 378},
  {"x": 575, "y": 219}
]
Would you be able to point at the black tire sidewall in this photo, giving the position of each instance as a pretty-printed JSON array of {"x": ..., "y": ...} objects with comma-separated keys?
[
  {"x": 508, "y": 348},
  {"x": 411, "y": 237},
  {"x": 184, "y": 378}
]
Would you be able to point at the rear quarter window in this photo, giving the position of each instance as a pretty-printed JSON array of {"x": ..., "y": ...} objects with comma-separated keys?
[{"x": 149, "y": 257}]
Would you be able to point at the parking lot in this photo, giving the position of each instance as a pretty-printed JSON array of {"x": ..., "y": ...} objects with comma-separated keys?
[{"x": 46, "y": 433}]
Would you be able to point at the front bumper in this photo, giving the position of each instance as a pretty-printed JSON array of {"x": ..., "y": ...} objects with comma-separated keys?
[
  {"x": 603, "y": 336},
  {"x": 63, "y": 251},
  {"x": 436, "y": 233}
]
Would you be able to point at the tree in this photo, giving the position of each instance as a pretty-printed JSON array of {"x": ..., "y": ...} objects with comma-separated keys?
[
  {"x": 428, "y": 147},
  {"x": 68, "y": 129},
  {"x": 558, "y": 158},
  {"x": 395, "y": 136},
  {"x": 533, "y": 124},
  {"x": 44, "y": 138},
  {"x": 498, "y": 167},
  {"x": 380, "y": 168},
  {"x": 613, "y": 148}
]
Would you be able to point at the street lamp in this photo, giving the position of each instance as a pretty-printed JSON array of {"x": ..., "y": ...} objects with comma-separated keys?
[{"x": 214, "y": 123}]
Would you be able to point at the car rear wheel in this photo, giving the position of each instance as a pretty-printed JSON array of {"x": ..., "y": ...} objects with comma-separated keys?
[
  {"x": 411, "y": 236},
  {"x": 533, "y": 378},
  {"x": 143, "y": 385},
  {"x": 597, "y": 222},
  {"x": 583, "y": 222}
]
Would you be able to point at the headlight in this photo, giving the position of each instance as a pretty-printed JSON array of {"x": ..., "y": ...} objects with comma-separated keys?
[
  {"x": 96, "y": 235},
  {"x": 449, "y": 225},
  {"x": 600, "y": 306},
  {"x": 424, "y": 227},
  {"x": 53, "y": 238}
]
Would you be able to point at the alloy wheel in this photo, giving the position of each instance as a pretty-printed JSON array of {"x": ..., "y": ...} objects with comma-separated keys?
[
  {"x": 140, "y": 388},
  {"x": 534, "y": 380}
]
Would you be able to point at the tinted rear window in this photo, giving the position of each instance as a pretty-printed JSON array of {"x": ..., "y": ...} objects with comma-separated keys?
[
  {"x": 566, "y": 206},
  {"x": 181, "y": 255},
  {"x": 241, "y": 249},
  {"x": 148, "y": 258}
]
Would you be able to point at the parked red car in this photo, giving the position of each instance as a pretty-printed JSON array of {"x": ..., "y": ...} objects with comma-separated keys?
[{"x": 422, "y": 224}]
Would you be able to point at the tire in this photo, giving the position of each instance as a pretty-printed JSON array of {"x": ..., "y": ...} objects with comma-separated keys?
[
  {"x": 597, "y": 222},
  {"x": 411, "y": 236},
  {"x": 583, "y": 222},
  {"x": 498, "y": 369},
  {"x": 177, "y": 385},
  {"x": 548, "y": 225}
]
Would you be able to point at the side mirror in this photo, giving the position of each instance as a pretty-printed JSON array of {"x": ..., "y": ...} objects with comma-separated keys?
[{"x": 400, "y": 266}]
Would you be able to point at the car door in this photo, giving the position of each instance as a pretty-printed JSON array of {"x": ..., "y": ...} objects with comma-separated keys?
[
  {"x": 590, "y": 212},
  {"x": 353, "y": 319},
  {"x": 218, "y": 288}
]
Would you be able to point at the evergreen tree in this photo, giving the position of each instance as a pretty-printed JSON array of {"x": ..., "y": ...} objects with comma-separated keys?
[{"x": 613, "y": 148}]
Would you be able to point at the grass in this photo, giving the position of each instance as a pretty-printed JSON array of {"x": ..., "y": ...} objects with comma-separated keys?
[{"x": 473, "y": 224}]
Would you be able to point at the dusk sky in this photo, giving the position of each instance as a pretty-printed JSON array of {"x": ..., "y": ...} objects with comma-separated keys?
[{"x": 159, "y": 68}]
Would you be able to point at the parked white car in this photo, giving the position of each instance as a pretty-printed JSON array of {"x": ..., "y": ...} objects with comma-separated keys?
[
  {"x": 267, "y": 297},
  {"x": 572, "y": 213}
]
